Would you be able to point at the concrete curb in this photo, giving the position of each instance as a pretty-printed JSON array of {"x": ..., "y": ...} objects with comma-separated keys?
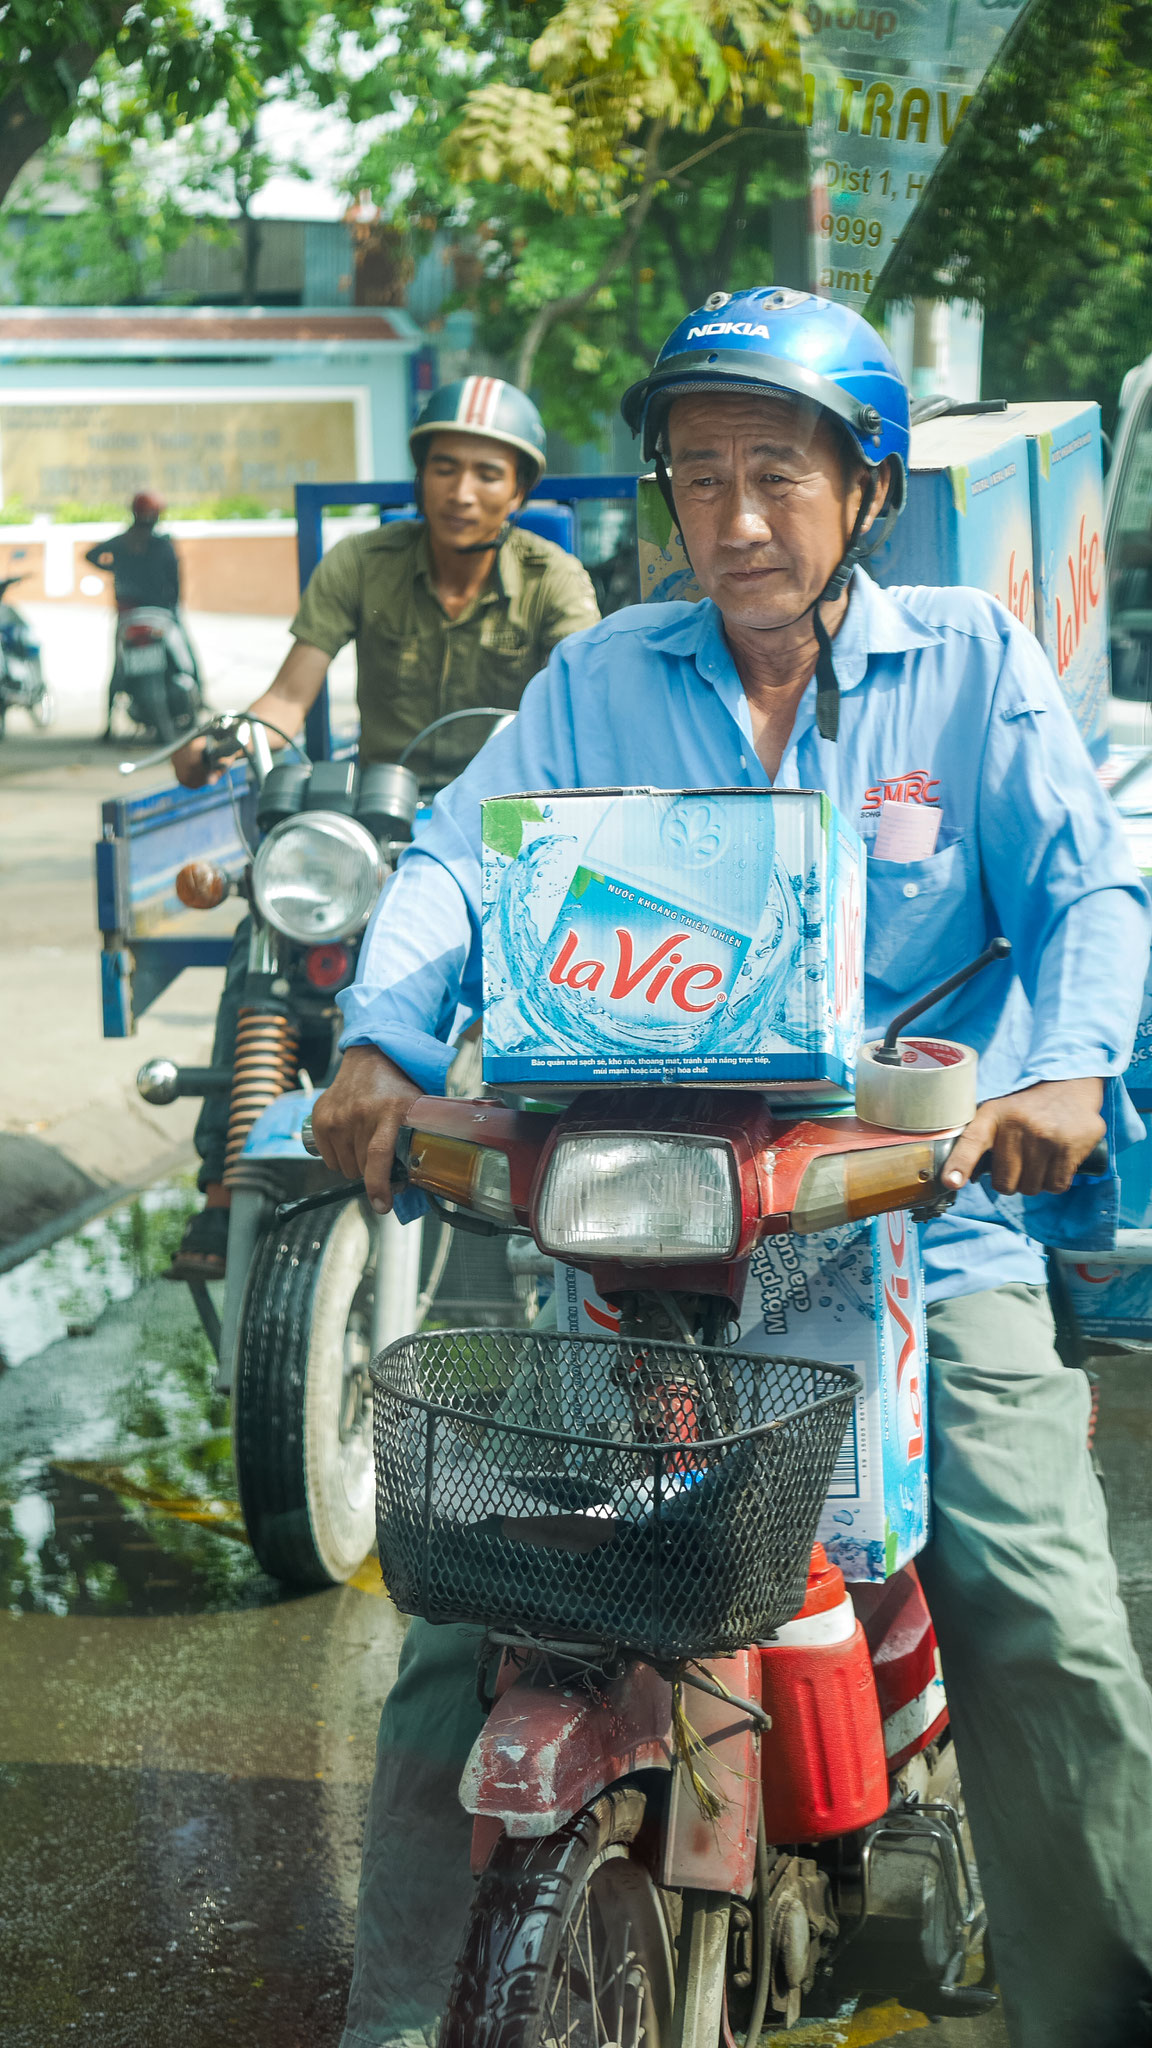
[{"x": 77, "y": 1206}]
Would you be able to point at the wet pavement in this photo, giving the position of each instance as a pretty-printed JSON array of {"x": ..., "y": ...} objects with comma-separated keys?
[{"x": 185, "y": 1749}]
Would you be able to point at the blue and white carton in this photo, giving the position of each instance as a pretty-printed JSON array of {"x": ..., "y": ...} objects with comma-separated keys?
[
  {"x": 663, "y": 937},
  {"x": 1013, "y": 502},
  {"x": 855, "y": 1297},
  {"x": 969, "y": 514},
  {"x": 1066, "y": 472}
]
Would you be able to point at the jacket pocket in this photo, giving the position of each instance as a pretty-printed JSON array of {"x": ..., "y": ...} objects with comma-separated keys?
[{"x": 925, "y": 917}]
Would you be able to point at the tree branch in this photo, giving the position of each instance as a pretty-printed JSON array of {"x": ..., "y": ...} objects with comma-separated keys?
[
  {"x": 560, "y": 309},
  {"x": 23, "y": 128}
]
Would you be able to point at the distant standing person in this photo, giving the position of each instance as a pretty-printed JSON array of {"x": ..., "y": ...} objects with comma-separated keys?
[{"x": 146, "y": 573}]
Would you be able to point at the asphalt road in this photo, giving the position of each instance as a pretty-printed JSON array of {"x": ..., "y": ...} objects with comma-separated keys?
[{"x": 185, "y": 1752}]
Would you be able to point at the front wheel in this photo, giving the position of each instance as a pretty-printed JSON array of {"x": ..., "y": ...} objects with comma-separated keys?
[
  {"x": 567, "y": 1944},
  {"x": 301, "y": 1401}
]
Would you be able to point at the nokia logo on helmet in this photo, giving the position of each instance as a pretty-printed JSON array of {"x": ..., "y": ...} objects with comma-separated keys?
[{"x": 726, "y": 327}]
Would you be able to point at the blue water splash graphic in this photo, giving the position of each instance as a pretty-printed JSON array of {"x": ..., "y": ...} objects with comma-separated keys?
[{"x": 776, "y": 998}]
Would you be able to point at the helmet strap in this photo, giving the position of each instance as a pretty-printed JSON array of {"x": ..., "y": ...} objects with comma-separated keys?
[
  {"x": 860, "y": 546},
  {"x": 487, "y": 547}
]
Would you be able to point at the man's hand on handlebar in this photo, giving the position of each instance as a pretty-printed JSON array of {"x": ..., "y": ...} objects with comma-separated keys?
[
  {"x": 1037, "y": 1138},
  {"x": 202, "y": 760},
  {"x": 355, "y": 1121}
]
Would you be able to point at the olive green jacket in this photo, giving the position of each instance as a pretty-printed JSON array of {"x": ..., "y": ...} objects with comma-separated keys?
[{"x": 414, "y": 663}]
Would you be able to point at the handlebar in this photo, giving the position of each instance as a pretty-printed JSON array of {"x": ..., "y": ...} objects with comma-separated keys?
[
  {"x": 230, "y": 733},
  {"x": 450, "y": 717},
  {"x": 1094, "y": 1166}
]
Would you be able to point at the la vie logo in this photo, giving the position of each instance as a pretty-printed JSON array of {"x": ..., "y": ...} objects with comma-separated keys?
[
  {"x": 664, "y": 968},
  {"x": 1085, "y": 585},
  {"x": 897, "y": 1297}
]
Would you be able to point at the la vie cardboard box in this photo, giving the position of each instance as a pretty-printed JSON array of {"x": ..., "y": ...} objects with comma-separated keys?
[
  {"x": 965, "y": 523},
  {"x": 1111, "y": 1292},
  {"x": 854, "y": 1297},
  {"x": 969, "y": 514},
  {"x": 637, "y": 936},
  {"x": 850, "y": 1297}
]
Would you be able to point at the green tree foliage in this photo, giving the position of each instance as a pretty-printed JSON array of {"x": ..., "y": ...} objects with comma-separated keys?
[
  {"x": 610, "y": 159},
  {"x": 99, "y": 230},
  {"x": 1042, "y": 213},
  {"x": 179, "y": 60}
]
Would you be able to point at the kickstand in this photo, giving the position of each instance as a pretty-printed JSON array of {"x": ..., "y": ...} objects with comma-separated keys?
[{"x": 206, "y": 1310}]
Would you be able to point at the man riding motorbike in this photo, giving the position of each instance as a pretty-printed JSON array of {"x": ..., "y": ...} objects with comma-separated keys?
[
  {"x": 778, "y": 425},
  {"x": 146, "y": 574},
  {"x": 454, "y": 610}
]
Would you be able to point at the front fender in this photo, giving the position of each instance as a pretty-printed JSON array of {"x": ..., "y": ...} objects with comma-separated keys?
[{"x": 545, "y": 1751}]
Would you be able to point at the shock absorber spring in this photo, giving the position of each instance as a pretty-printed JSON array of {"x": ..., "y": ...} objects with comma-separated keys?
[{"x": 267, "y": 1058}]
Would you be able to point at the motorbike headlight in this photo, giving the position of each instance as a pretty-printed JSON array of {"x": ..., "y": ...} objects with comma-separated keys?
[
  {"x": 839, "y": 1187},
  {"x": 317, "y": 876},
  {"x": 629, "y": 1196}
]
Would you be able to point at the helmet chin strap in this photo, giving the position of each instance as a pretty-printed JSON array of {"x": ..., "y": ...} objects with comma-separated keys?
[
  {"x": 860, "y": 546},
  {"x": 484, "y": 547}
]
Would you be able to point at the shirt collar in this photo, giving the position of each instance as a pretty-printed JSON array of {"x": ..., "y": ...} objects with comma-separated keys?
[
  {"x": 875, "y": 623},
  {"x": 505, "y": 578}
]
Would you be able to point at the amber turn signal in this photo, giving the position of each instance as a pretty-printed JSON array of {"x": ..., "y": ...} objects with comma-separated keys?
[{"x": 201, "y": 885}]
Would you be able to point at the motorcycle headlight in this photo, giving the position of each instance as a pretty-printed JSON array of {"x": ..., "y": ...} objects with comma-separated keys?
[
  {"x": 839, "y": 1187},
  {"x": 317, "y": 877},
  {"x": 628, "y": 1196}
]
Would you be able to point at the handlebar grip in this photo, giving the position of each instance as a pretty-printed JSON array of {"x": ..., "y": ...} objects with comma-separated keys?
[
  {"x": 307, "y": 1140},
  {"x": 1096, "y": 1163},
  {"x": 1098, "y": 1160}
]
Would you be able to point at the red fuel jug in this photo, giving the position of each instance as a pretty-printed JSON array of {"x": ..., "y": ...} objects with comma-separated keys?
[{"x": 822, "y": 1762}]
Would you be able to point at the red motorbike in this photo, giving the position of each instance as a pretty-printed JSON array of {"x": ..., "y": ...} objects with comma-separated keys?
[{"x": 714, "y": 1788}]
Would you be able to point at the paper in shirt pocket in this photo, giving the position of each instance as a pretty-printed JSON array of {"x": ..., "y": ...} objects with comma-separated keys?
[{"x": 925, "y": 918}]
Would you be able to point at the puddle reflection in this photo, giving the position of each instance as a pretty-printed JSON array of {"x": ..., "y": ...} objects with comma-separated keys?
[{"x": 117, "y": 1493}]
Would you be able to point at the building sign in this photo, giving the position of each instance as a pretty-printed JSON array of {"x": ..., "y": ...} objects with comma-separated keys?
[
  {"x": 886, "y": 89},
  {"x": 190, "y": 451}
]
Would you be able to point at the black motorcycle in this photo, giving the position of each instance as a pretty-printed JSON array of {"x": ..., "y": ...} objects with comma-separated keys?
[
  {"x": 154, "y": 675},
  {"x": 22, "y": 685},
  {"x": 316, "y": 1284}
]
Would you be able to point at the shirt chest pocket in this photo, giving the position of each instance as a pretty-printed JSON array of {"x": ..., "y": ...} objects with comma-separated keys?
[
  {"x": 925, "y": 918},
  {"x": 504, "y": 663}
]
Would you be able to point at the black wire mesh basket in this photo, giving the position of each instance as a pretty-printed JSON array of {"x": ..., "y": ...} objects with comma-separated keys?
[{"x": 657, "y": 1497}]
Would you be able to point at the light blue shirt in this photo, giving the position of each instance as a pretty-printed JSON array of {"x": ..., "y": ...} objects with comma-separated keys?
[{"x": 944, "y": 694}]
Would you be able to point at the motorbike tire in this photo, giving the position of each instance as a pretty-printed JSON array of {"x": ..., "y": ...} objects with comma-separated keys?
[
  {"x": 42, "y": 709},
  {"x": 534, "y": 1902},
  {"x": 185, "y": 702},
  {"x": 150, "y": 707},
  {"x": 301, "y": 1405}
]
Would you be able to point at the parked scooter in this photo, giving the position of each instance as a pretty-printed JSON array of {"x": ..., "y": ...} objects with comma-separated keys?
[
  {"x": 22, "y": 685},
  {"x": 308, "y": 1298},
  {"x": 154, "y": 675},
  {"x": 713, "y": 1789}
]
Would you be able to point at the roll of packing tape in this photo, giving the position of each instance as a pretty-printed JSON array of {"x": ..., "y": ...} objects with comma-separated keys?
[{"x": 932, "y": 1089}]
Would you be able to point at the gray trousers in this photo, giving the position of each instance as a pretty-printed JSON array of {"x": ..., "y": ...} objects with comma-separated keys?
[{"x": 1052, "y": 1718}]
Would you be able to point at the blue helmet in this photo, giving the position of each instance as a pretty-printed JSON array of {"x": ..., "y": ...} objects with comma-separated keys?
[
  {"x": 774, "y": 342},
  {"x": 782, "y": 343}
]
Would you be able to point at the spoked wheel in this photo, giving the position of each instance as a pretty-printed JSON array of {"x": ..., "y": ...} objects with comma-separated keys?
[
  {"x": 302, "y": 1402},
  {"x": 567, "y": 1945}
]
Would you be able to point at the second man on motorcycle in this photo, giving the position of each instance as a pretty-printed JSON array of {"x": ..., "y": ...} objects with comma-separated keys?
[{"x": 449, "y": 612}]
